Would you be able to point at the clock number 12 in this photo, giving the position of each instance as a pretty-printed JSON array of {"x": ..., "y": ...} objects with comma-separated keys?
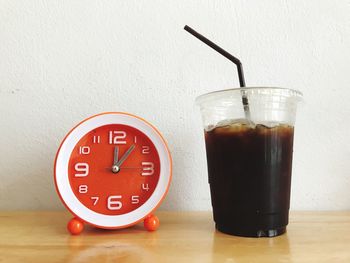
[{"x": 117, "y": 137}]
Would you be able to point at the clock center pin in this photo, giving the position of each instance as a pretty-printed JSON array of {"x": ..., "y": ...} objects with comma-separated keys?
[{"x": 115, "y": 169}]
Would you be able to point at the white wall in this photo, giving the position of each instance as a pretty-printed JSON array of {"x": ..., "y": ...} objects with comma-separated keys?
[{"x": 61, "y": 61}]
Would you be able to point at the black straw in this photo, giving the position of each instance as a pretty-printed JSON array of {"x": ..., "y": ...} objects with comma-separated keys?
[
  {"x": 221, "y": 51},
  {"x": 230, "y": 57}
]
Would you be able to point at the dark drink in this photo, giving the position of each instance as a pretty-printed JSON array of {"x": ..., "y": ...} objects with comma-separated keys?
[{"x": 250, "y": 175}]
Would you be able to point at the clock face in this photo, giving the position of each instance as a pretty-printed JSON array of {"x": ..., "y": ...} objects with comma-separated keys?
[{"x": 114, "y": 169}]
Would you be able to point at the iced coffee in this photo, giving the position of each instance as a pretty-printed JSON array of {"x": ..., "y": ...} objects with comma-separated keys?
[
  {"x": 249, "y": 149},
  {"x": 249, "y": 168}
]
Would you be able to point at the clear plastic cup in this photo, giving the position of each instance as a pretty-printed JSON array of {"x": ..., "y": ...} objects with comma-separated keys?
[{"x": 250, "y": 160}]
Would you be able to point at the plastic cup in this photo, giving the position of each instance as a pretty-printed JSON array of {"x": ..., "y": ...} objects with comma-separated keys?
[{"x": 250, "y": 161}]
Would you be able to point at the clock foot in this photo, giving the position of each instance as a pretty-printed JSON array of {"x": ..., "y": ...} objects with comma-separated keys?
[
  {"x": 151, "y": 222},
  {"x": 75, "y": 226}
]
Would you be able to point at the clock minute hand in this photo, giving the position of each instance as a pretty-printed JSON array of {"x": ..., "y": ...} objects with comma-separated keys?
[{"x": 126, "y": 155}]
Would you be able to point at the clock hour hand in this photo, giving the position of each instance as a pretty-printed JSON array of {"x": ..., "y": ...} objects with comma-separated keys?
[
  {"x": 115, "y": 158},
  {"x": 126, "y": 155},
  {"x": 115, "y": 167}
]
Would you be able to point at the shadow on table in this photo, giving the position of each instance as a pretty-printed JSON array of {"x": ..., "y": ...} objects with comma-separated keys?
[
  {"x": 227, "y": 248},
  {"x": 99, "y": 245}
]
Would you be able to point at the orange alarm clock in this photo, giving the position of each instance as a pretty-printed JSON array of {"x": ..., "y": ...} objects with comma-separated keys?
[{"x": 112, "y": 171}]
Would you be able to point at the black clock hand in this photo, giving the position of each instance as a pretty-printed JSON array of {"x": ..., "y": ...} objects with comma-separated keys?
[
  {"x": 126, "y": 155},
  {"x": 115, "y": 159},
  {"x": 115, "y": 167}
]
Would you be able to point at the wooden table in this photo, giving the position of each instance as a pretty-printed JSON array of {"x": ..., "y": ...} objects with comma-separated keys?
[{"x": 182, "y": 237}]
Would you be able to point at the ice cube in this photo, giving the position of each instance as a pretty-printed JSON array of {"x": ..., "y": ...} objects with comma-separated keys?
[
  {"x": 231, "y": 125},
  {"x": 235, "y": 122}
]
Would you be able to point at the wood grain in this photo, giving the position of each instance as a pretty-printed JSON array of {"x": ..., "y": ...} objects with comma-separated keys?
[{"x": 182, "y": 237}]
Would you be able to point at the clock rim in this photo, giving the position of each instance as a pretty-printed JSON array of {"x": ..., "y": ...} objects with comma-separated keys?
[{"x": 166, "y": 159}]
